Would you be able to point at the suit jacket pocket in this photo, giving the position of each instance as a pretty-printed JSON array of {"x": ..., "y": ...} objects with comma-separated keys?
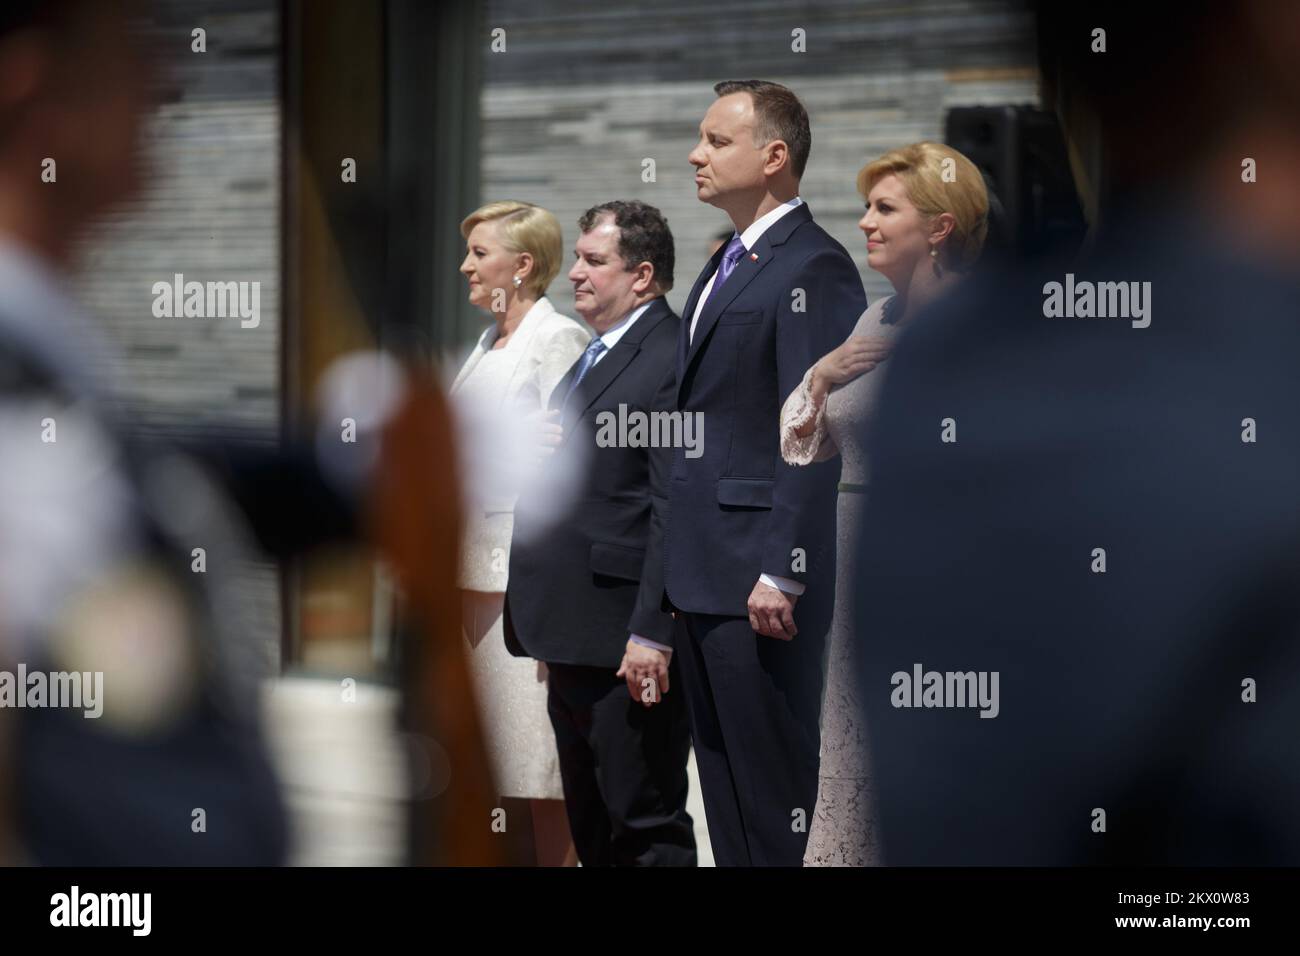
[
  {"x": 740, "y": 318},
  {"x": 616, "y": 561},
  {"x": 745, "y": 492}
]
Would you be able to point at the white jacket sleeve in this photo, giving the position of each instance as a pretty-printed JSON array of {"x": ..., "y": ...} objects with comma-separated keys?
[{"x": 796, "y": 413}]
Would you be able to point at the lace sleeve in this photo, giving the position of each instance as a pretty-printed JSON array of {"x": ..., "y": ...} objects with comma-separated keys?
[{"x": 797, "y": 412}]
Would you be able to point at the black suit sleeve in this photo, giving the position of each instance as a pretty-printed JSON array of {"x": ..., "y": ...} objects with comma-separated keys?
[{"x": 648, "y": 618}]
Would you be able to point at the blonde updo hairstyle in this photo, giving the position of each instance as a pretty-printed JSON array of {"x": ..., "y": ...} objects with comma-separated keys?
[
  {"x": 523, "y": 227},
  {"x": 920, "y": 167}
]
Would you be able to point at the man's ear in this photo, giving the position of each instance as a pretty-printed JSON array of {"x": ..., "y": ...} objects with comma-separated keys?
[
  {"x": 941, "y": 226},
  {"x": 778, "y": 157},
  {"x": 645, "y": 278}
]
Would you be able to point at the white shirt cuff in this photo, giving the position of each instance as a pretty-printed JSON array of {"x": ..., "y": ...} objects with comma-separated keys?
[
  {"x": 646, "y": 642},
  {"x": 782, "y": 584}
]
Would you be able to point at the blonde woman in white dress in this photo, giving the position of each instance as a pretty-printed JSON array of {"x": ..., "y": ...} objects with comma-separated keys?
[
  {"x": 925, "y": 223},
  {"x": 513, "y": 251}
]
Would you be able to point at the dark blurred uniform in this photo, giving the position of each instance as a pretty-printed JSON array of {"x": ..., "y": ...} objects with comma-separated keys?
[
  {"x": 1121, "y": 691},
  {"x": 96, "y": 573},
  {"x": 98, "y": 530}
]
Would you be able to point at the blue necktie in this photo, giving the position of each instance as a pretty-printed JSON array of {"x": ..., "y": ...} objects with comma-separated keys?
[{"x": 584, "y": 366}]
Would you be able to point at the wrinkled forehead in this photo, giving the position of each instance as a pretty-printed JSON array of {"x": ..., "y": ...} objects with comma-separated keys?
[{"x": 729, "y": 115}]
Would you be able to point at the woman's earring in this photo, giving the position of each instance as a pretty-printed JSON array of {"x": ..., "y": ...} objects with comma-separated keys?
[
  {"x": 517, "y": 281},
  {"x": 934, "y": 260},
  {"x": 934, "y": 253}
]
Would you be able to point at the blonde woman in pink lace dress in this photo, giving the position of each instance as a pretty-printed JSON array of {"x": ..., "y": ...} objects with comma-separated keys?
[{"x": 925, "y": 222}]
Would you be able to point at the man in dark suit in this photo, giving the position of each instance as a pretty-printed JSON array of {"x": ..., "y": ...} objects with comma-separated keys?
[
  {"x": 747, "y": 534},
  {"x": 577, "y": 591}
]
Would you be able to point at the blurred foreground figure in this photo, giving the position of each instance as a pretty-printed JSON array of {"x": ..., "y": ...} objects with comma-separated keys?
[
  {"x": 129, "y": 694},
  {"x": 144, "y": 746},
  {"x": 1089, "y": 527}
]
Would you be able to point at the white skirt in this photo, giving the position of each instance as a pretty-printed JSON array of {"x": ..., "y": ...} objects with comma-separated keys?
[{"x": 511, "y": 695}]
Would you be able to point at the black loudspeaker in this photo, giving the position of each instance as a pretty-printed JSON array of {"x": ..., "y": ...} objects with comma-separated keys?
[{"x": 1033, "y": 204}]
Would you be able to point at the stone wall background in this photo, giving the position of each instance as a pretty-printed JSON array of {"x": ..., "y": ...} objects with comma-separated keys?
[
  {"x": 210, "y": 210},
  {"x": 586, "y": 91}
]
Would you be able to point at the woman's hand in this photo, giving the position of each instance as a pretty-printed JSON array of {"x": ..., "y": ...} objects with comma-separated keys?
[{"x": 858, "y": 355}]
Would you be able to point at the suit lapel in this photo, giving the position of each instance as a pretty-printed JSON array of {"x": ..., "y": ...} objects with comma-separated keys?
[
  {"x": 719, "y": 299},
  {"x": 684, "y": 334},
  {"x": 599, "y": 379},
  {"x": 562, "y": 386},
  {"x": 471, "y": 361},
  {"x": 608, "y": 369},
  {"x": 751, "y": 264}
]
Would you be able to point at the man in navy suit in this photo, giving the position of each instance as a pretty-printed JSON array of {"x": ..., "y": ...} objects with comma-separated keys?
[
  {"x": 749, "y": 547},
  {"x": 577, "y": 590}
]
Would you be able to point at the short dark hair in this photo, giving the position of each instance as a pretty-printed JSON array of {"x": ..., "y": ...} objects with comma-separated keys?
[
  {"x": 778, "y": 114},
  {"x": 643, "y": 235}
]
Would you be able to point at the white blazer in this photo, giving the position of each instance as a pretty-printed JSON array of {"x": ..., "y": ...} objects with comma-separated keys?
[{"x": 541, "y": 350}]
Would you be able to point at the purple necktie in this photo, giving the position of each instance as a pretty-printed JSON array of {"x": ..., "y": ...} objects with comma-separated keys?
[{"x": 735, "y": 249}]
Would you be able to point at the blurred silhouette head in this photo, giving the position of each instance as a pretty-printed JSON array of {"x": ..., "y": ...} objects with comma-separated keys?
[
  {"x": 623, "y": 259},
  {"x": 75, "y": 87},
  {"x": 925, "y": 203},
  {"x": 512, "y": 250},
  {"x": 1159, "y": 101}
]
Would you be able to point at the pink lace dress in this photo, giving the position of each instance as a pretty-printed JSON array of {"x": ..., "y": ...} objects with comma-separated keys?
[{"x": 843, "y": 830}]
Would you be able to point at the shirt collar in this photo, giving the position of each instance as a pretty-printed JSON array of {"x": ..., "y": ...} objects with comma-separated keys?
[
  {"x": 766, "y": 221},
  {"x": 611, "y": 336}
]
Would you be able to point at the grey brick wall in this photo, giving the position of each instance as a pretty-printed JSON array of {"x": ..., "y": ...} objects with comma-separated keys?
[{"x": 211, "y": 211}]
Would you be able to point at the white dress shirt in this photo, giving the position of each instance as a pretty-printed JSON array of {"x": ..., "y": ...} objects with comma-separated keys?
[
  {"x": 612, "y": 335},
  {"x": 747, "y": 238}
]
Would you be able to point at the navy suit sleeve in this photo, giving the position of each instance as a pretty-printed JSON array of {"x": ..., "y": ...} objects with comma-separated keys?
[
  {"x": 648, "y": 618},
  {"x": 831, "y": 304}
]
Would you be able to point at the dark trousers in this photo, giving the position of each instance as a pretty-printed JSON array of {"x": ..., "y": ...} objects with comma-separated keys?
[
  {"x": 623, "y": 766},
  {"x": 755, "y": 705}
]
